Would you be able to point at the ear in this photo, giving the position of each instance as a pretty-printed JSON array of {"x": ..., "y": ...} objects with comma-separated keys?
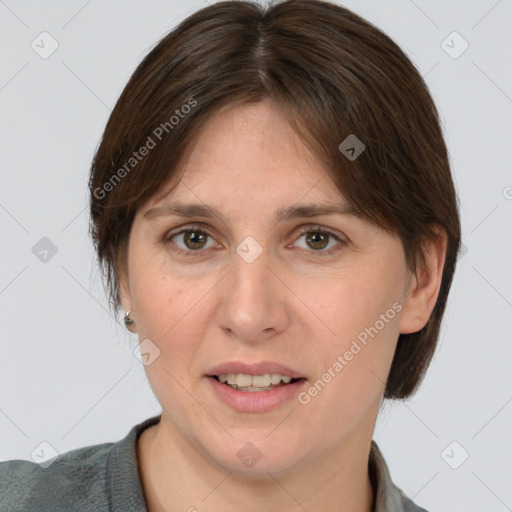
[
  {"x": 124, "y": 281},
  {"x": 423, "y": 288},
  {"x": 124, "y": 289}
]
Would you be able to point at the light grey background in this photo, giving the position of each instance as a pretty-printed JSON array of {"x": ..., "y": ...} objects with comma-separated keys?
[{"x": 68, "y": 375}]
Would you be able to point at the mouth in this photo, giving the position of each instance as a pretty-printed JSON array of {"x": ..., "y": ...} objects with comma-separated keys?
[
  {"x": 252, "y": 383},
  {"x": 254, "y": 387}
]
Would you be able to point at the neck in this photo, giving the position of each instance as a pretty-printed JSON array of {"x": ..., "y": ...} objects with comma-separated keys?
[{"x": 176, "y": 476}]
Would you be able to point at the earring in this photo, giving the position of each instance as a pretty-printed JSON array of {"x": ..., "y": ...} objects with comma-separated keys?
[{"x": 127, "y": 320}]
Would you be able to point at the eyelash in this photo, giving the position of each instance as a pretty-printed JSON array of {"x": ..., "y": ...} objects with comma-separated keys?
[{"x": 202, "y": 230}]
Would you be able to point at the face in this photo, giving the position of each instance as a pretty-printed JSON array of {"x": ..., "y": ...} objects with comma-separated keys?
[{"x": 321, "y": 299}]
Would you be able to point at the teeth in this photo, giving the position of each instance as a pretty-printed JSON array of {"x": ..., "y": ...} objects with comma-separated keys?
[
  {"x": 259, "y": 381},
  {"x": 254, "y": 381},
  {"x": 243, "y": 380},
  {"x": 275, "y": 378}
]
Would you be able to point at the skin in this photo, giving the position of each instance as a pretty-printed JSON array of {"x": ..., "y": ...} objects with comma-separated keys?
[{"x": 291, "y": 305}]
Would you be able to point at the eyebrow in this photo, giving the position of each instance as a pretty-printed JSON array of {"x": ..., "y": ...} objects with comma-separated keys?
[{"x": 292, "y": 212}]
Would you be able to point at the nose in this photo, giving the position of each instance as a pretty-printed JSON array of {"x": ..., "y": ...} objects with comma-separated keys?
[{"x": 255, "y": 302}]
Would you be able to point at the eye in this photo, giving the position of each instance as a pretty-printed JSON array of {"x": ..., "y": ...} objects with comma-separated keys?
[
  {"x": 317, "y": 238},
  {"x": 193, "y": 237}
]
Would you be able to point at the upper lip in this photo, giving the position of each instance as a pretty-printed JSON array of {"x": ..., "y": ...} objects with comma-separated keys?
[{"x": 261, "y": 368}]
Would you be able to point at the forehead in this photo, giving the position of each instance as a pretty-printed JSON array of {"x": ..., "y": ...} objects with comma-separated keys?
[{"x": 249, "y": 153}]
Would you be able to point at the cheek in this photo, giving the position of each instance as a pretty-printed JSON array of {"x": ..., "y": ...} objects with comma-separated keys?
[
  {"x": 171, "y": 314},
  {"x": 159, "y": 296},
  {"x": 362, "y": 311},
  {"x": 171, "y": 310},
  {"x": 351, "y": 303},
  {"x": 156, "y": 303}
]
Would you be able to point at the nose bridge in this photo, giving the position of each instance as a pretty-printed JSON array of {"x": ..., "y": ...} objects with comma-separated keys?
[
  {"x": 251, "y": 274},
  {"x": 251, "y": 304}
]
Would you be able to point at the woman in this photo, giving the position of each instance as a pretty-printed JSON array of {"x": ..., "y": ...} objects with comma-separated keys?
[{"x": 273, "y": 208}]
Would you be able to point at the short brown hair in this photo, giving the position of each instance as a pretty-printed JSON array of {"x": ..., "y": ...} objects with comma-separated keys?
[{"x": 333, "y": 74}]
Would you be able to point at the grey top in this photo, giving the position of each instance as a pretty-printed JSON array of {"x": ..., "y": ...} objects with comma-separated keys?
[{"x": 105, "y": 478}]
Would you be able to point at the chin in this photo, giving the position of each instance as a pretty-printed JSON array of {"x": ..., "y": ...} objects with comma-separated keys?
[{"x": 256, "y": 457}]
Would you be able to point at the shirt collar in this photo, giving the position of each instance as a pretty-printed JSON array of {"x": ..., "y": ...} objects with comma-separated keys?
[{"x": 387, "y": 497}]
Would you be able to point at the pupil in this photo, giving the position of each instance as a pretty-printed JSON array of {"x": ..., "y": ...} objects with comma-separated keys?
[
  {"x": 195, "y": 234},
  {"x": 318, "y": 234}
]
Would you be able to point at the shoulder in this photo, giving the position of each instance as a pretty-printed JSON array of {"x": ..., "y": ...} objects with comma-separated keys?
[
  {"x": 408, "y": 505},
  {"x": 98, "y": 478},
  {"x": 75, "y": 480}
]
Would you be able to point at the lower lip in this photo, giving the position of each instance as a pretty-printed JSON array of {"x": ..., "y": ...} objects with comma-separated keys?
[{"x": 255, "y": 401}]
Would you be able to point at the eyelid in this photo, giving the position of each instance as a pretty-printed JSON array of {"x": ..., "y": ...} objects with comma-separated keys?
[
  {"x": 188, "y": 227},
  {"x": 317, "y": 227}
]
